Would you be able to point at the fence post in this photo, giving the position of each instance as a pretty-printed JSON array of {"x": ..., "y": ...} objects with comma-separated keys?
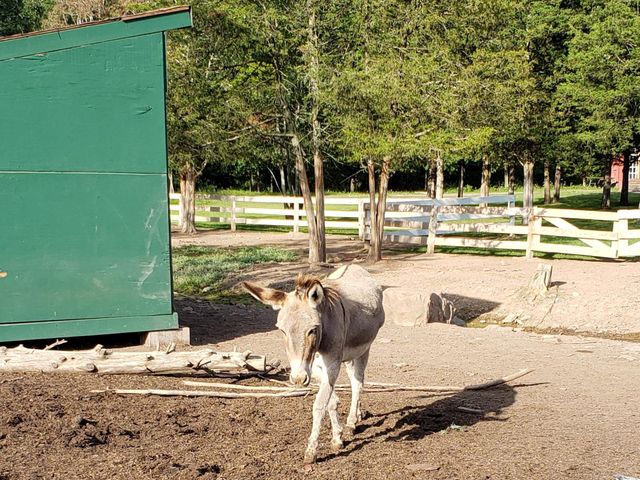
[
  {"x": 180, "y": 211},
  {"x": 361, "y": 219},
  {"x": 433, "y": 225},
  {"x": 233, "y": 214},
  {"x": 296, "y": 216},
  {"x": 620, "y": 246},
  {"x": 533, "y": 237}
]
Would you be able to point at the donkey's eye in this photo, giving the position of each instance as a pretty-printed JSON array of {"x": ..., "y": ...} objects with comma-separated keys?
[{"x": 312, "y": 331}]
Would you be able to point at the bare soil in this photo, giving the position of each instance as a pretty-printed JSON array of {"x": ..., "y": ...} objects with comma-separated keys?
[{"x": 575, "y": 417}]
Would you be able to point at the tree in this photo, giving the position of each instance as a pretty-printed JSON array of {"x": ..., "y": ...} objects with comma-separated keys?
[
  {"x": 600, "y": 96},
  {"x": 22, "y": 16}
]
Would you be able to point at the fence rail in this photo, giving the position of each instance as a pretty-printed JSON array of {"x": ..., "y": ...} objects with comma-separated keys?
[{"x": 451, "y": 222}]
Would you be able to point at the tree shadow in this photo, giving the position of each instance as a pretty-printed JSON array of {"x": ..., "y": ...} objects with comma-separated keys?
[{"x": 415, "y": 422}]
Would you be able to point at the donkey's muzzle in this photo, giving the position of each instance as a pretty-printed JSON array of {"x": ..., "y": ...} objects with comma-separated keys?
[{"x": 300, "y": 378}]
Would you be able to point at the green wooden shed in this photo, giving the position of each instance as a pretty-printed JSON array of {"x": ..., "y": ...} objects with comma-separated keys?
[{"x": 84, "y": 214}]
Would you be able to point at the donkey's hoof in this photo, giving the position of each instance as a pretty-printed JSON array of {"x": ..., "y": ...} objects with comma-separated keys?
[
  {"x": 309, "y": 458},
  {"x": 337, "y": 445},
  {"x": 348, "y": 432},
  {"x": 308, "y": 467}
]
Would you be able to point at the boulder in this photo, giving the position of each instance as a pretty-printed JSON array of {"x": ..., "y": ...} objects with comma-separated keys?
[{"x": 413, "y": 309}]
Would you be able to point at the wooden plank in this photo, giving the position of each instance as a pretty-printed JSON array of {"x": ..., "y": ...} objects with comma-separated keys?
[
  {"x": 445, "y": 217},
  {"x": 495, "y": 211},
  {"x": 630, "y": 234},
  {"x": 91, "y": 34},
  {"x": 341, "y": 213},
  {"x": 629, "y": 214},
  {"x": 13, "y": 332},
  {"x": 268, "y": 211},
  {"x": 632, "y": 250},
  {"x": 341, "y": 224},
  {"x": 405, "y": 224},
  {"x": 578, "y": 233},
  {"x": 202, "y": 218},
  {"x": 577, "y": 214},
  {"x": 575, "y": 250},
  {"x": 563, "y": 224},
  {"x": 505, "y": 228},
  {"x": 481, "y": 243},
  {"x": 421, "y": 240},
  {"x": 408, "y": 233},
  {"x": 459, "y": 201},
  {"x": 86, "y": 102}
]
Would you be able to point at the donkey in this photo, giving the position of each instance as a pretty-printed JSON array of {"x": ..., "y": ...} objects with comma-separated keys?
[{"x": 338, "y": 319}]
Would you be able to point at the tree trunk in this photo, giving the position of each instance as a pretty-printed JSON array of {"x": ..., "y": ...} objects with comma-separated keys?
[
  {"x": 527, "y": 195},
  {"x": 460, "y": 178},
  {"x": 511, "y": 189},
  {"x": 319, "y": 239},
  {"x": 624, "y": 189},
  {"x": 102, "y": 361},
  {"x": 188, "y": 199},
  {"x": 303, "y": 179},
  {"x": 283, "y": 180},
  {"x": 439, "y": 176},
  {"x": 486, "y": 176},
  {"x": 606, "y": 186},
  {"x": 547, "y": 182},
  {"x": 373, "y": 224},
  {"x": 556, "y": 184},
  {"x": 431, "y": 179},
  {"x": 377, "y": 218},
  {"x": 170, "y": 181}
]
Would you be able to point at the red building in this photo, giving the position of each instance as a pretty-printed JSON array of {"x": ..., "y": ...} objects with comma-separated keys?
[{"x": 634, "y": 172}]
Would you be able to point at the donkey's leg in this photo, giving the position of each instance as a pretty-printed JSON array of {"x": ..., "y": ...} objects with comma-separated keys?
[
  {"x": 355, "y": 370},
  {"x": 336, "y": 429},
  {"x": 325, "y": 391}
]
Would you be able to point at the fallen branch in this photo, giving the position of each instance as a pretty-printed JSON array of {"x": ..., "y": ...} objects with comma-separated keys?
[
  {"x": 204, "y": 393},
  {"x": 500, "y": 381},
  {"x": 369, "y": 387},
  {"x": 101, "y": 360},
  {"x": 55, "y": 344}
]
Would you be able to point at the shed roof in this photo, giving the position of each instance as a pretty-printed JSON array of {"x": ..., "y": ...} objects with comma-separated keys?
[{"x": 33, "y": 43}]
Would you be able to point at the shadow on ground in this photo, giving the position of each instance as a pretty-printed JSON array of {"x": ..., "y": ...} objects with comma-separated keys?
[
  {"x": 415, "y": 422},
  {"x": 470, "y": 308},
  {"x": 215, "y": 323}
]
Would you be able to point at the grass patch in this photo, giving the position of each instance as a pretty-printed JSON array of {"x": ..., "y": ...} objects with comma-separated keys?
[{"x": 205, "y": 271}]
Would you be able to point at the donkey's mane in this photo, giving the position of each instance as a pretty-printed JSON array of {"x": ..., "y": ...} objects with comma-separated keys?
[{"x": 306, "y": 282}]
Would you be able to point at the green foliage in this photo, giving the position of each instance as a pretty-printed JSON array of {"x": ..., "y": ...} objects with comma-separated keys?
[
  {"x": 598, "y": 99},
  {"x": 23, "y": 16},
  {"x": 203, "y": 271}
]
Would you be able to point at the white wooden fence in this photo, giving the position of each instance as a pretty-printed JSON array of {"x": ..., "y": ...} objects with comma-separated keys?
[
  {"x": 340, "y": 213},
  {"x": 481, "y": 222}
]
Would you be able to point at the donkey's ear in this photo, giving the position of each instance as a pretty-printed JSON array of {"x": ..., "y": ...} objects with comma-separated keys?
[
  {"x": 315, "y": 294},
  {"x": 268, "y": 296}
]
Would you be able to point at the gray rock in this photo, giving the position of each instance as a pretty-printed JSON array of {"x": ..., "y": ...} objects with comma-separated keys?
[{"x": 413, "y": 309}]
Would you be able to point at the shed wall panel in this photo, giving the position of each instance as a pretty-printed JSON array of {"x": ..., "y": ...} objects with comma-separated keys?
[
  {"x": 83, "y": 245},
  {"x": 96, "y": 108}
]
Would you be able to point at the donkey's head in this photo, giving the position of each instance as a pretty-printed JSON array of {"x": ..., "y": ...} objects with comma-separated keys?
[{"x": 299, "y": 319}]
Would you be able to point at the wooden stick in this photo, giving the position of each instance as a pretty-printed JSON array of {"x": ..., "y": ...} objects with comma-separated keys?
[
  {"x": 500, "y": 381},
  {"x": 55, "y": 344},
  {"x": 232, "y": 386},
  {"x": 470, "y": 410},
  {"x": 370, "y": 389},
  {"x": 204, "y": 393}
]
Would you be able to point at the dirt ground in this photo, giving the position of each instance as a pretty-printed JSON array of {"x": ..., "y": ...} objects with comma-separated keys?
[{"x": 575, "y": 417}]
